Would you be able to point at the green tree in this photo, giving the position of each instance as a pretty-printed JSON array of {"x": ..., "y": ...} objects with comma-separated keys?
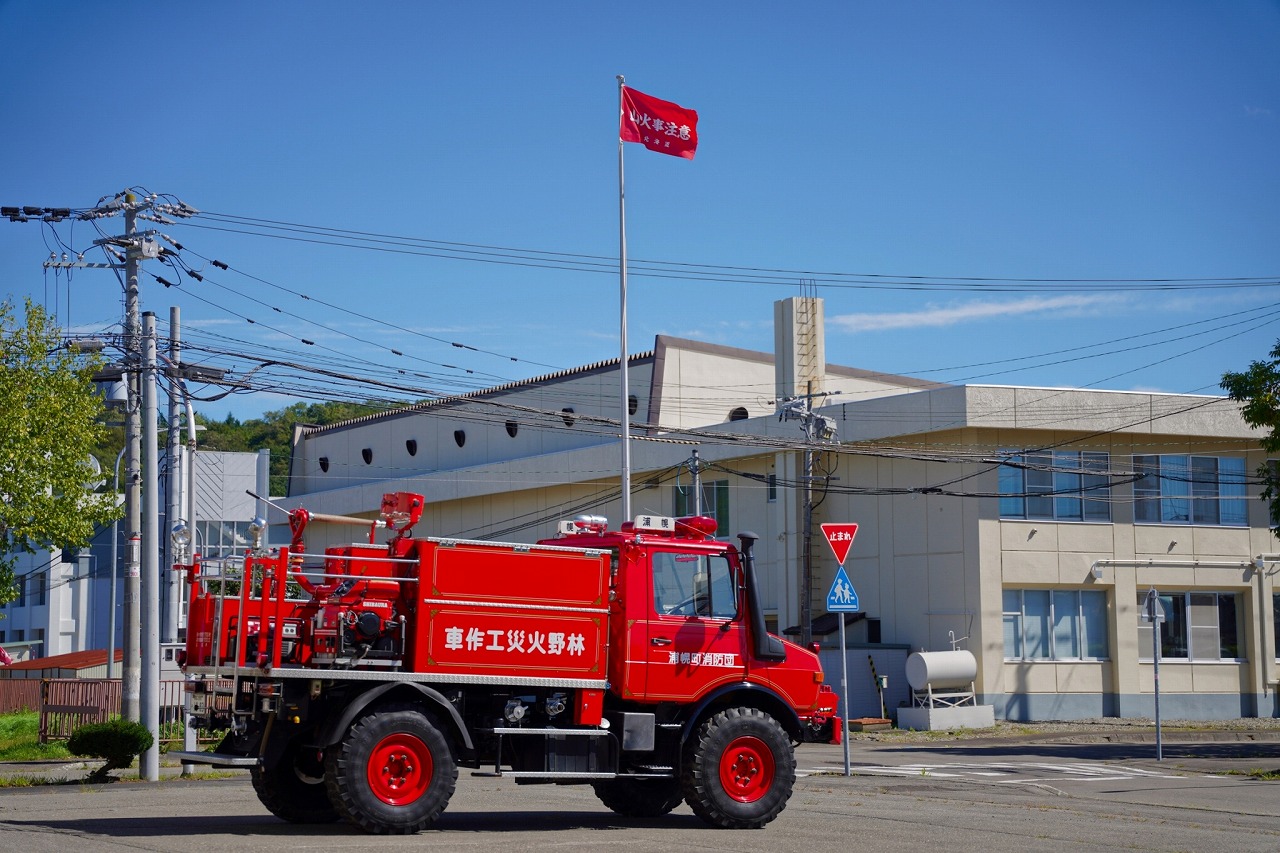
[
  {"x": 49, "y": 426},
  {"x": 1257, "y": 389},
  {"x": 274, "y": 431}
]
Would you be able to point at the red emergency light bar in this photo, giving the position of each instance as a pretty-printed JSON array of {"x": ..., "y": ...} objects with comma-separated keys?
[{"x": 697, "y": 527}]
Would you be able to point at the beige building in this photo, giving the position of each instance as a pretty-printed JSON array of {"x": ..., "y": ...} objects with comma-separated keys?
[{"x": 1024, "y": 524}]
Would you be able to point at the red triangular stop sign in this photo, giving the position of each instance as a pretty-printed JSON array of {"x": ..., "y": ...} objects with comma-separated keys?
[{"x": 840, "y": 538}]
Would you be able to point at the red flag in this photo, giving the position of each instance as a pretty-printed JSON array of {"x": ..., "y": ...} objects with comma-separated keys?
[{"x": 658, "y": 125}]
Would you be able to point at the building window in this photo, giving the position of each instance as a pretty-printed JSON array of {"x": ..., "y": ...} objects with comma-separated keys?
[
  {"x": 1057, "y": 624},
  {"x": 222, "y": 539},
  {"x": 715, "y": 503},
  {"x": 41, "y": 588},
  {"x": 1176, "y": 489},
  {"x": 1196, "y": 626},
  {"x": 1275, "y": 617},
  {"x": 21, "y": 600},
  {"x": 1058, "y": 485},
  {"x": 771, "y": 488}
]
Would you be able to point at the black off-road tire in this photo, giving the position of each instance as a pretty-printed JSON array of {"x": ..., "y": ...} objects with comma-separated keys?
[
  {"x": 393, "y": 773},
  {"x": 293, "y": 789},
  {"x": 640, "y": 798},
  {"x": 739, "y": 769}
]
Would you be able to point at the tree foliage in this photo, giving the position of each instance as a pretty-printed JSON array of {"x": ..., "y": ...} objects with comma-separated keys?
[
  {"x": 49, "y": 426},
  {"x": 274, "y": 431},
  {"x": 1257, "y": 389}
]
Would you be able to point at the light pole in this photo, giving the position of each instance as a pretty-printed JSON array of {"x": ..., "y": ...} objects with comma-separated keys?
[{"x": 115, "y": 568}]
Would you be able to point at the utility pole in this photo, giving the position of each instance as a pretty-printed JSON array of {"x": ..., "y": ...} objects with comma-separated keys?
[
  {"x": 806, "y": 593},
  {"x": 149, "y": 766},
  {"x": 816, "y": 428},
  {"x": 174, "y": 481},
  {"x": 695, "y": 468},
  {"x": 136, "y": 248},
  {"x": 131, "y": 681}
]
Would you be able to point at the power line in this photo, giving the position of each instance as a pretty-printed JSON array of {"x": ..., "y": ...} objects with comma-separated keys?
[{"x": 568, "y": 261}]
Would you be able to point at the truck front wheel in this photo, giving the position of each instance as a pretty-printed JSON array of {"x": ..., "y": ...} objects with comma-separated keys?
[
  {"x": 739, "y": 769},
  {"x": 394, "y": 772}
]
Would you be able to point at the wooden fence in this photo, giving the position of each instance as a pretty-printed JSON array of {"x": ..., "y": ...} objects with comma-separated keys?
[
  {"x": 19, "y": 694},
  {"x": 67, "y": 703}
]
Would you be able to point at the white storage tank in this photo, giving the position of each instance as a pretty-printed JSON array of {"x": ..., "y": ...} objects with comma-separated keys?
[{"x": 955, "y": 670}]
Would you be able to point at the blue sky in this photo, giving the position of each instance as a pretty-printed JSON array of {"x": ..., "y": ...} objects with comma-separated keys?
[{"x": 982, "y": 192}]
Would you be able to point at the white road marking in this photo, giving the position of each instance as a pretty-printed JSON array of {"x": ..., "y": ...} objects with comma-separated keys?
[{"x": 1010, "y": 773}]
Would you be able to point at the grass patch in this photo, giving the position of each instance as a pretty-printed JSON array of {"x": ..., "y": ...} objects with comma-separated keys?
[
  {"x": 1256, "y": 773},
  {"x": 23, "y": 781},
  {"x": 20, "y": 739},
  {"x": 36, "y": 781}
]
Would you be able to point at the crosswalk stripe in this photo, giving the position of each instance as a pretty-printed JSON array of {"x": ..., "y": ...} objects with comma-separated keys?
[{"x": 1003, "y": 771}]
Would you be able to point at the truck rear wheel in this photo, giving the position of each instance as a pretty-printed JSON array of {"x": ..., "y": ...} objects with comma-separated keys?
[
  {"x": 639, "y": 797},
  {"x": 394, "y": 772},
  {"x": 293, "y": 788},
  {"x": 739, "y": 769}
]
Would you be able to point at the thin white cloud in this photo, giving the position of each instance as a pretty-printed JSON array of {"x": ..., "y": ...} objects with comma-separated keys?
[{"x": 936, "y": 316}]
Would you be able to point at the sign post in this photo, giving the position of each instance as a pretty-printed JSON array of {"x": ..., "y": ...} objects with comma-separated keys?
[
  {"x": 842, "y": 598},
  {"x": 1153, "y": 612}
]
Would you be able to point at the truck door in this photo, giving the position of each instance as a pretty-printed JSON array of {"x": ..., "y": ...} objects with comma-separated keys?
[{"x": 697, "y": 641}]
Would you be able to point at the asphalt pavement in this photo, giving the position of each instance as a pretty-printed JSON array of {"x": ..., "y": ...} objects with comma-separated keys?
[{"x": 1001, "y": 795}]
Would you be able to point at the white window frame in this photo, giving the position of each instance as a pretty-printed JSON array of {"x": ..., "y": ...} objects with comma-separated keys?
[
  {"x": 1166, "y": 493},
  {"x": 1079, "y": 626},
  {"x": 1189, "y": 608},
  {"x": 1058, "y": 477}
]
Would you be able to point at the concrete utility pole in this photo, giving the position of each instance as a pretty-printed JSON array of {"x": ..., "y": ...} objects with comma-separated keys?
[
  {"x": 136, "y": 247},
  {"x": 149, "y": 767},
  {"x": 174, "y": 482},
  {"x": 130, "y": 686},
  {"x": 816, "y": 428},
  {"x": 695, "y": 469}
]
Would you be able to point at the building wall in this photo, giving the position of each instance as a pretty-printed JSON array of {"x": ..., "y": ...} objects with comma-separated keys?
[
  {"x": 933, "y": 558},
  {"x": 1131, "y": 558},
  {"x": 535, "y": 410}
]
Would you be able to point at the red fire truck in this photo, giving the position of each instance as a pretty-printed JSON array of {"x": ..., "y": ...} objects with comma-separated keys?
[{"x": 354, "y": 683}]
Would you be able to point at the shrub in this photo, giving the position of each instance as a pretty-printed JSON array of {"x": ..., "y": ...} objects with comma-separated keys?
[{"x": 118, "y": 741}]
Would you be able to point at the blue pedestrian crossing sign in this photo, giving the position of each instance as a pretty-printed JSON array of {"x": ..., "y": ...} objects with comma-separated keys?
[{"x": 842, "y": 598}]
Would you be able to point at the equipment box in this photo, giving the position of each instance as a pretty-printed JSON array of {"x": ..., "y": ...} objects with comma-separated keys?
[{"x": 525, "y": 614}]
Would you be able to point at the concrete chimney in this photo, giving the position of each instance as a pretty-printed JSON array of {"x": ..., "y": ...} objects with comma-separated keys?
[{"x": 800, "y": 350}]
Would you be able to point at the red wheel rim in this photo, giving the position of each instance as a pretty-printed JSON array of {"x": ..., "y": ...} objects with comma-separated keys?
[
  {"x": 746, "y": 769},
  {"x": 400, "y": 769}
]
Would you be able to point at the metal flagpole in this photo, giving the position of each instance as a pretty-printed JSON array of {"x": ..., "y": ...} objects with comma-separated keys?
[{"x": 622, "y": 286}]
